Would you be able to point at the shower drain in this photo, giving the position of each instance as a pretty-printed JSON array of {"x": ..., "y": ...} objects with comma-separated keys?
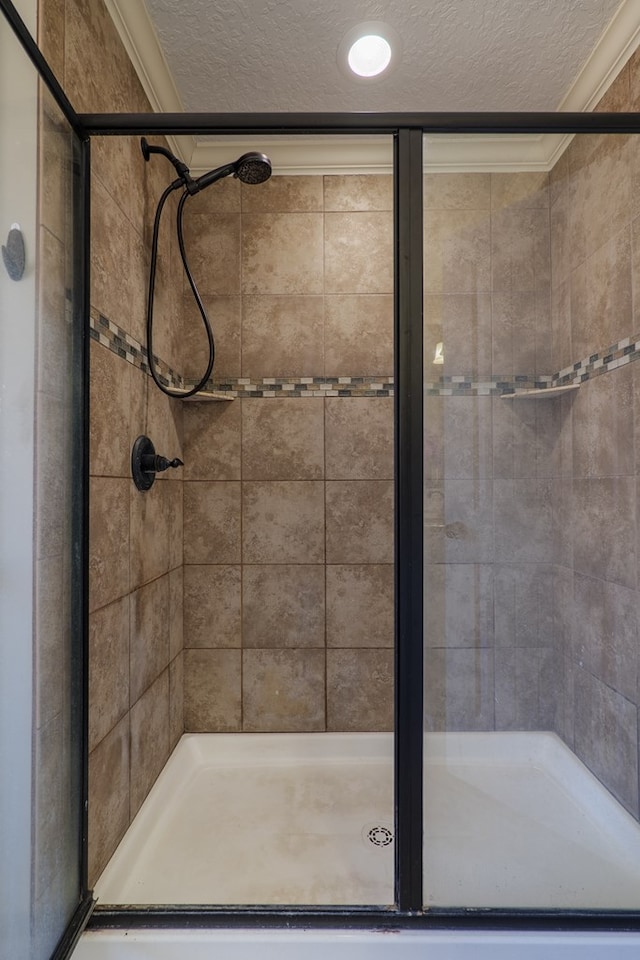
[{"x": 378, "y": 834}]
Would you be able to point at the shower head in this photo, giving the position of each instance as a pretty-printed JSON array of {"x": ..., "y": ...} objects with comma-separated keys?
[
  {"x": 253, "y": 168},
  {"x": 249, "y": 168}
]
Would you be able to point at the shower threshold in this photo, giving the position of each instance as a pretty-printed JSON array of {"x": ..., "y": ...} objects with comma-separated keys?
[{"x": 511, "y": 820}]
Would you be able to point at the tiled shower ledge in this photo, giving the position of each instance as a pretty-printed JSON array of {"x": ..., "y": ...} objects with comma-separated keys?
[
  {"x": 520, "y": 386},
  {"x": 540, "y": 394}
]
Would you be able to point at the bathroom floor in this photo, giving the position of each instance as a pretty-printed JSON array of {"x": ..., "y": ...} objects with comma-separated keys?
[{"x": 512, "y": 820}]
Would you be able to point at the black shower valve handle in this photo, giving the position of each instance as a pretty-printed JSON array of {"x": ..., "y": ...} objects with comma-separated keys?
[
  {"x": 145, "y": 463},
  {"x": 154, "y": 463}
]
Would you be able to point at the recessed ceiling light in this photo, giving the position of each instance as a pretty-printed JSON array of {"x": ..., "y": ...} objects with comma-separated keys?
[
  {"x": 369, "y": 55},
  {"x": 369, "y": 51}
]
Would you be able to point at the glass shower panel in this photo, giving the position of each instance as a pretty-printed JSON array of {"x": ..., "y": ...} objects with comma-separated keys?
[
  {"x": 531, "y": 693},
  {"x": 40, "y": 593},
  {"x": 288, "y": 615}
]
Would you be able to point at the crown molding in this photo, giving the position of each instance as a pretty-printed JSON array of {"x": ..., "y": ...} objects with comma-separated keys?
[
  {"x": 137, "y": 32},
  {"x": 341, "y": 155},
  {"x": 612, "y": 51}
]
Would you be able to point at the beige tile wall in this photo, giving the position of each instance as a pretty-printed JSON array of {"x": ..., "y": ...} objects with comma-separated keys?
[
  {"x": 594, "y": 232},
  {"x": 531, "y": 509},
  {"x": 289, "y": 502},
  {"x": 489, "y": 498},
  {"x": 136, "y": 539}
]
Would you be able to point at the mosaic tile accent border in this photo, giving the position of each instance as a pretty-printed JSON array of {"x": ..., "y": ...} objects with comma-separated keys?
[
  {"x": 617, "y": 355},
  {"x": 244, "y": 388},
  {"x": 120, "y": 342},
  {"x": 112, "y": 336},
  {"x": 469, "y": 387}
]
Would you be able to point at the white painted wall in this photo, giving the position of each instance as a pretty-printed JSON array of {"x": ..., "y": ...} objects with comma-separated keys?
[{"x": 18, "y": 159}]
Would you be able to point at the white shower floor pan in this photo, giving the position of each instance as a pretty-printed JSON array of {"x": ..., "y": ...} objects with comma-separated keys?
[{"x": 511, "y": 820}]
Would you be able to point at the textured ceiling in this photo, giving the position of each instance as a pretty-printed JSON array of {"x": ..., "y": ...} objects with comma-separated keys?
[{"x": 281, "y": 55}]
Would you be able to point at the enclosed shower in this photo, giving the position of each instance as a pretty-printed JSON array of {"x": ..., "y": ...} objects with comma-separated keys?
[
  {"x": 370, "y": 655},
  {"x": 281, "y": 790}
]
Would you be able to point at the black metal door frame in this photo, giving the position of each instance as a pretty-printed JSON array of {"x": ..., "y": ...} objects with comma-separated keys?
[{"x": 407, "y": 130}]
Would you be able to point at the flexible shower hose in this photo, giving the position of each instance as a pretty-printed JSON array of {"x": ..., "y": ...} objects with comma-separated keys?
[{"x": 181, "y": 394}]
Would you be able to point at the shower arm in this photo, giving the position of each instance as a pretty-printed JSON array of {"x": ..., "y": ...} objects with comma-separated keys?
[
  {"x": 181, "y": 168},
  {"x": 185, "y": 179}
]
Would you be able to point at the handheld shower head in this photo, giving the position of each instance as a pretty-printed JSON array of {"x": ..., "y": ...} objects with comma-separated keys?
[
  {"x": 253, "y": 168},
  {"x": 249, "y": 168}
]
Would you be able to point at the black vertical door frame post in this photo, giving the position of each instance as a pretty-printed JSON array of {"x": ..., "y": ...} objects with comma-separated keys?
[{"x": 408, "y": 381}]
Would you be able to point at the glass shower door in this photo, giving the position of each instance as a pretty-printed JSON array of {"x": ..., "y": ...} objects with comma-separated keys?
[
  {"x": 531, "y": 750},
  {"x": 40, "y": 515}
]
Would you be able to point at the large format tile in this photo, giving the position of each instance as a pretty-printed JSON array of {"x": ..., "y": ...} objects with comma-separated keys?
[
  {"x": 527, "y": 692},
  {"x": 359, "y": 690},
  {"x": 282, "y": 336},
  {"x": 358, "y": 252},
  {"x": 283, "y": 194},
  {"x": 282, "y": 253},
  {"x": 110, "y": 451},
  {"x": 150, "y": 531},
  {"x": 462, "y": 322},
  {"x": 604, "y": 520},
  {"x": 224, "y": 314},
  {"x": 524, "y": 607},
  {"x": 283, "y": 522},
  {"x": 524, "y": 520},
  {"x": 606, "y": 737},
  {"x": 212, "y": 441},
  {"x": 212, "y": 691},
  {"x": 467, "y": 437},
  {"x": 521, "y": 331},
  {"x": 149, "y": 739},
  {"x": 459, "y": 605},
  {"x": 457, "y": 251},
  {"x": 96, "y": 65},
  {"x": 358, "y": 335},
  {"x": 108, "y": 668},
  {"x": 520, "y": 254},
  {"x": 283, "y": 605},
  {"x": 459, "y": 521},
  {"x": 601, "y": 301},
  {"x": 359, "y": 438},
  {"x": 359, "y": 525},
  {"x": 603, "y": 417},
  {"x": 176, "y": 611},
  {"x": 213, "y": 245},
  {"x": 606, "y": 633},
  {"x": 109, "y": 540},
  {"x": 283, "y": 690},
  {"x": 212, "y": 522},
  {"x": 283, "y": 439},
  {"x": 459, "y": 689},
  {"x": 360, "y": 605},
  {"x": 108, "y": 796},
  {"x": 212, "y": 596},
  {"x": 109, "y": 259},
  {"x": 358, "y": 192},
  {"x": 176, "y": 700},
  {"x": 149, "y": 646},
  {"x": 529, "y": 191},
  {"x": 457, "y": 191}
]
